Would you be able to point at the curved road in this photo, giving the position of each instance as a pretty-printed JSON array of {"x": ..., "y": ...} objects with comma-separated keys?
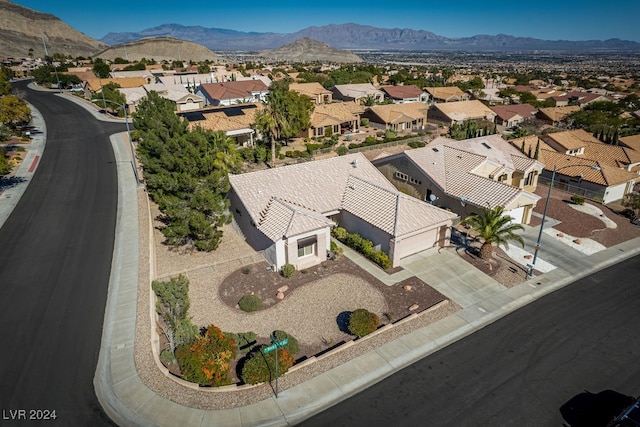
[
  {"x": 522, "y": 369},
  {"x": 55, "y": 260}
]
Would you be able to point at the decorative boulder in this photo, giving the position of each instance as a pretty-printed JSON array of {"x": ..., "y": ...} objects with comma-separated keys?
[
  {"x": 414, "y": 307},
  {"x": 284, "y": 288},
  {"x": 280, "y": 295},
  {"x": 407, "y": 287}
]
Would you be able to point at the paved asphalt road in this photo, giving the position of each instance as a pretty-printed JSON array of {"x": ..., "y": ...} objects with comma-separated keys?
[
  {"x": 55, "y": 260},
  {"x": 522, "y": 369}
]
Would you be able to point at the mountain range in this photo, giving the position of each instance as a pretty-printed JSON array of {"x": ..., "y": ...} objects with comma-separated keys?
[{"x": 356, "y": 36}]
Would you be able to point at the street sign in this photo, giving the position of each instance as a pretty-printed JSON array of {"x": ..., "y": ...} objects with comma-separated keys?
[{"x": 275, "y": 345}]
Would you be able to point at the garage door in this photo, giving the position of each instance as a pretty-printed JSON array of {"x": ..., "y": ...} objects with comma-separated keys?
[
  {"x": 516, "y": 214},
  {"x": 417, "y": 243}
]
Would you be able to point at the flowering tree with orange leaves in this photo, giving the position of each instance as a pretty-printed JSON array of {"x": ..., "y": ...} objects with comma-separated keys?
[{"x": 207, "y": 359}]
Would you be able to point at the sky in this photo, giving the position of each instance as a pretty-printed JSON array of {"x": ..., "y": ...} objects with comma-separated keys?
[{"x": 543, "y": 19}]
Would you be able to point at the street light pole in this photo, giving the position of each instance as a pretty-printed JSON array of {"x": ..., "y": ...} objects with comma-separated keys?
[
  {"x": 126, "y": 121},
  {"x": 544, "y": 213}
]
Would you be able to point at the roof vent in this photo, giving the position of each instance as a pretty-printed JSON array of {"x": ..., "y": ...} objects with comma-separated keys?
[
  {"x": 435, "y": 149},
  {"x": 486, "y": 145},
  {"x": 354, "y": 163}
]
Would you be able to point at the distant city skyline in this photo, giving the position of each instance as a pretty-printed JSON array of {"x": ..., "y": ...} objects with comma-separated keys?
[{"x": 574, "y": 20}]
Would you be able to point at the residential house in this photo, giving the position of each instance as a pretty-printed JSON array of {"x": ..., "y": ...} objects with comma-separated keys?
[
  {"x": 513, "y": 114},
  {"x": 406, "y": 117},
  {"x": 448, "y": 113},
  {"x": 447, "y": 94},
  {"x": 555, "y": 116},
  {"x": 587, "y": 177},
  {"x": 579, "y": 98},
  {"x": 238, "y": 92},
  {"x": 405, "y": 93},
  {"x": 315, "y": 91},
  {"x": 184, "y": 99},
  {"x": 236, "y": 121},
  {"x": 147, "y": 75},
  {"x": 466, "y": 176},
  {"x": 288, "y": 212},
  {"x": 571, "y": 142},
  {"x": 335, "y": 119},
  {"x": 93, "y": 86},
  {"x": 358, "y": 92}
]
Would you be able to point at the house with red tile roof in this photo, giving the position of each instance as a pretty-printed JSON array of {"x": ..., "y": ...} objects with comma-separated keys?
[
  {"x": 288, "y": 212},
  {"x": 234, "y": 92},
  {"x": 466, "y": 176},
  {"x": 405, "y": 93}
]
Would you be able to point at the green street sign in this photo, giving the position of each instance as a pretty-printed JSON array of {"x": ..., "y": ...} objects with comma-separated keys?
[{"x": 275, "y": 345}]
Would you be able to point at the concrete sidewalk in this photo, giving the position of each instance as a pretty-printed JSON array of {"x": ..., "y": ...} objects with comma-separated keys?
[{"x": 129, "y": 402}]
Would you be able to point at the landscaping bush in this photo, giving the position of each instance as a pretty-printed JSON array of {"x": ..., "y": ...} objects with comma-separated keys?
[
  {"x": 342, "y": 150},
  {"x": 291, "y": 346},
  {"x": 362, "y": 322},
  {"x": 167, "y": 358},
  {"x": 207, "y": 359},
  {"x": 578, "y": 200},
  {"x": 244, "y": 340},
  {"x": 362, "y": 245},
  {"x": 416, "y": 144},
  {"x": 364, "y": 122},
  {"x": 287, "y": 270},
  {"x": 250, "y": 303},
  {"x": 261, "y": 367}
]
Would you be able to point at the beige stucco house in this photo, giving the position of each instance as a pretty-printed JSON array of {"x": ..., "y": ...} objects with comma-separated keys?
[
  {"x": 466, "y": 176},
  {"x": 405, "y": 117},
  {"x": 335, "y": 119},
  {"x": 314, "y": 90},
  {"x": 288, "y": 212},
  {"x": 448, "y": 113}
]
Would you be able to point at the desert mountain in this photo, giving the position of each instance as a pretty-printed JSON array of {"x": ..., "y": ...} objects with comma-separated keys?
[
  {"x": 22, "y": 29},
  {"x": 355, "y": 36},
  {"x": 309, "y": 50},
  {"x": 160, "y": 48}
]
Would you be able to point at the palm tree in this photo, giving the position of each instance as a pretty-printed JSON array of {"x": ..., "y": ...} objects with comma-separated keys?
[{"x": 494, "y": 227}]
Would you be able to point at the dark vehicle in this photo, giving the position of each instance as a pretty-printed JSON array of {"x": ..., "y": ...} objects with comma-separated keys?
[{"x": 629, "y": 417}]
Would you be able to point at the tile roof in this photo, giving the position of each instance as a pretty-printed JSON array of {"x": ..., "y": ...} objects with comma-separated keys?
[
  {"x": 124, "y": 82},
  {"x": 312, "y": 90},
  {"x": 357, "y": 90},
  {"x": 403, "y": 91},
  {"x": 335, "y": 113},
  {"x": 464, "y": 110},
  {"x": 292, "y": 199},
  {"x": 398, "y": 113},
  {"x": 558, "y": 113},
  {"x": 507, "y": 112},
  {"x": 575, "y": 166},
  {"x": 571, "y": 139},
  {"x": 452, "y": 165},
  {"x": 530, "y": 143},
  {"x": 632, "y": 141},
  {"x": 393, "y": 212},
  {"x": 445, "y": 92},
  {"x": 225, "y": 119},
  {"x": 233, "y": 90},
  {"x": 614, "y": 155}
]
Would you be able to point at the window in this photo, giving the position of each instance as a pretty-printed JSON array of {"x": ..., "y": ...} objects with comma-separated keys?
[
  {"x": 530, "y": 178},
  {"x": 402, "y": 176},
  {"x": 412, "y": 180},
  {"x": 307, "y": 247},
  {"x": 502, "y": 178}
]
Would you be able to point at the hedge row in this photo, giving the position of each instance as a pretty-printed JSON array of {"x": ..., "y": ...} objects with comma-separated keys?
[{"x": 362, "y": 245}]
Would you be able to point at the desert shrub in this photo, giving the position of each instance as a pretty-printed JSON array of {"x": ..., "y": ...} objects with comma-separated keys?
[
  {"x": 261, "y": 367},
  {"x": 364, "y": 121},
  {"x": 362, "y": 322},
  {"x": 246, "y": 270},
  {"x": 207, "y": 359},
  {"x": 287, "y": 270},
  {"x": 291, "y": 346},
  {"x": 167, "y": 358},
  {"x": 250, "y": 303},
  {"x": 339, "y": 233},
  {"x": 578, "y": 200},
  {"x": 342, "y": 150},
  {"x": 416, "y": 144},
  {"x": 370, "y": 140}
]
